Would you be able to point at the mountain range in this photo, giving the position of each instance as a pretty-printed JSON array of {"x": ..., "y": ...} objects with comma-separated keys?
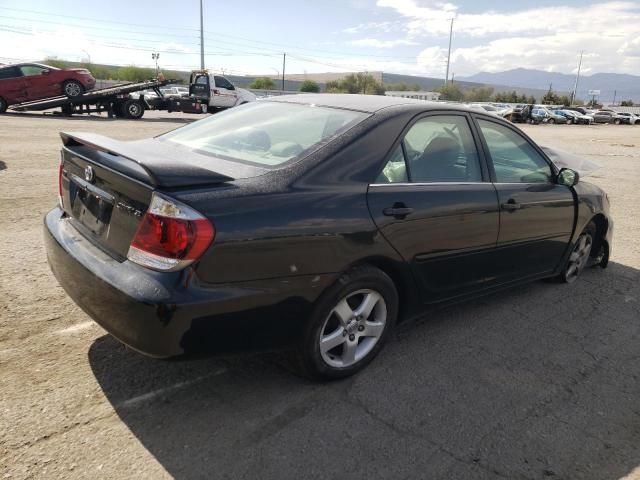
[{"x": 623, "y": 86}]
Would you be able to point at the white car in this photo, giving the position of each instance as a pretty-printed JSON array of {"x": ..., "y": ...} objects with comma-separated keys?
[
  {"x": 174, "y": 92},
  {"x": 630, "y": 118},
  {"x": 579, "y": 117}
]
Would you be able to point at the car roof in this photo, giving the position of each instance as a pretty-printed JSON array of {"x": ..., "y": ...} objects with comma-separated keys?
[
  {"x": 363, "y": 103},
  {"x": 9, "y": 65}
]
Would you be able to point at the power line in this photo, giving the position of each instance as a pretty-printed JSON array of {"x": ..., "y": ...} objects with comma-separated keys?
[{"x": 164, "y": 33}]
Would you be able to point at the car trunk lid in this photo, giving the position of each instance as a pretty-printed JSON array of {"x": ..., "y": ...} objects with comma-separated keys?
[{"x": 106, "y": 185}]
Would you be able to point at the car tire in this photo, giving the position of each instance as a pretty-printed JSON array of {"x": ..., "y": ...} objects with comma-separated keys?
[
  {"x": 72, "y": 88},
  {"x": 133, "y": 109},
  {"x": 341, "y": 338},
  {"x": 580, "y": 255},
  {"x": 3, "y": 105},
  {"x": 617, "y": 122},
  {"x": 551, "y": 121}
]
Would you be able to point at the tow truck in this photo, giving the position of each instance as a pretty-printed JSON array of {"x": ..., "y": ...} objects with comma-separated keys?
[
  {"x": 207, "y": 93},
  {"x": 116, "y": 100}
]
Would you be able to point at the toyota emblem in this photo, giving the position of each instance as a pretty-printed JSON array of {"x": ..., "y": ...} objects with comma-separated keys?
[{"x": 88, "y": 174}]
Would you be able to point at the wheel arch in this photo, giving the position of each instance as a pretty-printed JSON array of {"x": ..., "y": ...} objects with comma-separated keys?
[
  {"x": 401, "y": 278},
  {"x": 602, "y": 227}
]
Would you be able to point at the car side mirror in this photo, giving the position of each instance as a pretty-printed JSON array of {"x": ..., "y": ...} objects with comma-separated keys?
[
  {"x": 231, "y": 87},
  {"x": 46, "y": 72},
  {"x": 568, "y": 177}
]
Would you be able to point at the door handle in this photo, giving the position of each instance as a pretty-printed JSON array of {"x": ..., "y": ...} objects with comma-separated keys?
[
  {"x": 511, "y": 205},
  {"x": 399, "y": 210}
]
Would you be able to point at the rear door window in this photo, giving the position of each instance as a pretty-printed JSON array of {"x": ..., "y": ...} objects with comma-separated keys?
[
  {"x": 437, "y": 149},
  {"x": 11, "y": 72}
]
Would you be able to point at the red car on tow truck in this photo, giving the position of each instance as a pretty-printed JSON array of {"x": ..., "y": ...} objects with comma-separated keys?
[{"x": 26, "y": 82}]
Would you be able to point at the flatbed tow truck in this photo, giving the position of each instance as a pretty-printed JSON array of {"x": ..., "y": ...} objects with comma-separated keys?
[{"x": 115, "y": 101}]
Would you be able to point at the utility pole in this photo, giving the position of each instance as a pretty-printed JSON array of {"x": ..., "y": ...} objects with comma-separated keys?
[
  {"x": 284, "y": 64},
  {"x": 614, "y": 97},
  {"x": 446, "y": 78},
  {"x": 575, "y": 85},
  {"x": 201, "y": 39}
]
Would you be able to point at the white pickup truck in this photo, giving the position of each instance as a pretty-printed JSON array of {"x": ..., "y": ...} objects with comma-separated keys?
[{"x": 217, "y": 92}]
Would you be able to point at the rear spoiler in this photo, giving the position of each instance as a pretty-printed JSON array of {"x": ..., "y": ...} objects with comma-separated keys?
[{"x": 164, "y": 164}]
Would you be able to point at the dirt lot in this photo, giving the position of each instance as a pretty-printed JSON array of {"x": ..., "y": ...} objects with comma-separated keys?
[{"x": 542, "y": 381}]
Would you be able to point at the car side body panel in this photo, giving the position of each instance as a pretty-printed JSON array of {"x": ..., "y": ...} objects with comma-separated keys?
[{"x": 282, "y": 239}]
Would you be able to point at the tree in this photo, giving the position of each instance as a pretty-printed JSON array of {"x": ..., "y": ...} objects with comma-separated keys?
[
  {"x": 626, "y": 103},
  {"x": 262, "y": 83},
  {"x": 553, "y": 98},
  {"x": 356, "y": 83},
  {"x": 135, "y": 74},
  {"x": 479, "y": 94},
  {"x": 451, "y": 91},
  {"x": 309, "y": 86}
]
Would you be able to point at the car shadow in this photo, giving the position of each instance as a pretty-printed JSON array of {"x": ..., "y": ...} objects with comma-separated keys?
[
  {"x": 539, "y": 381},
  {"x": 103, "y": 118}
]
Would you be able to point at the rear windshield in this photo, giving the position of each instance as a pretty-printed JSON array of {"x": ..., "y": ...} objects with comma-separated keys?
[{"x": 267, "y": 134}]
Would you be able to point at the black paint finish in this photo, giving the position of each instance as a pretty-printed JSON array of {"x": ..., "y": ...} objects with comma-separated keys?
[{"x": 283, "y": 236}]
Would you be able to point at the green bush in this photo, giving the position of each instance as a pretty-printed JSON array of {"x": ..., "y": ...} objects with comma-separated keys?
[
  {"x": 309, "y": 86},
  {"x": 135, "y": 74},
  {"x": 262, "y": 83}
]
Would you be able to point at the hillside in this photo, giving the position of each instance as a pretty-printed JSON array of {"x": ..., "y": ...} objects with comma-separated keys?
[{"x": 625, "y": 86}]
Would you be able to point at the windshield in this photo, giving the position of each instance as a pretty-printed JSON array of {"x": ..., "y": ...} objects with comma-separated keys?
[{"x": 265, "y": 133}]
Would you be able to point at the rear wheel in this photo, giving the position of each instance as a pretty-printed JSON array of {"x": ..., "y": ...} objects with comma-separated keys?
[
  {"x": 551, "y": 121},
  {"x": 133, "y": 109},
  {"x": 617, "y": 121},
  {"x": 3, "y": 105},
  {"x": 580, "y": 255},
  {"x": 569, "y": 121},
  {"x": 72, "y": 88},
  {"x": 349, "y": 326}
]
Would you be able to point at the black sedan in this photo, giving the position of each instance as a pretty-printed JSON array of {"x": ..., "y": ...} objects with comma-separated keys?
[{"x": 312, "y": 221}]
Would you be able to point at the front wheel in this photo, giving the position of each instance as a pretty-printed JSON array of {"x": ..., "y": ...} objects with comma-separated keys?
[
  {"x": 580, "y": 254},
  {"x": 349, "y": 326},
  {"x": 72, "y": 88},
  {"x": 551, "y": 121},
  {"x": 3, "y": 105}
]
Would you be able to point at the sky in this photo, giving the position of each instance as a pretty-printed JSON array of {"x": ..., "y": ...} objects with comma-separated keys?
[{"x": 394, "y": 36}]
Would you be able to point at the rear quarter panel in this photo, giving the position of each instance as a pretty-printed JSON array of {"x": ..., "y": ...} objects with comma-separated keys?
[{"x": 308, "y": 219}]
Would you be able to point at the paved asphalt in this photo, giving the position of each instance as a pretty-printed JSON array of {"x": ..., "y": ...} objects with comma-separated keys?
[{"x": 537, "y": 382}]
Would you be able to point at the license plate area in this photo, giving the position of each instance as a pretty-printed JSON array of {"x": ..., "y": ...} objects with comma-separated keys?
[{"x": 90, "y": 206}]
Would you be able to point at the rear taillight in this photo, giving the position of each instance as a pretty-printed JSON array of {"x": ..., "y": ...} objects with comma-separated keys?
[
  {"x": 170, "y": 236},
  {"x": 60, "y": 171}
]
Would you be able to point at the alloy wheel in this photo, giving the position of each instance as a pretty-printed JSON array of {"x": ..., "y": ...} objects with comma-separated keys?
[
  {"x": 579, "y": 257},
  {"x": 72, "y": 89},
  {"x": 353, "y": 328}
]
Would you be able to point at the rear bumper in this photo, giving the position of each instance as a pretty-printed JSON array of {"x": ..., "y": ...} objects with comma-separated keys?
[{"x": 167, "y": 314}]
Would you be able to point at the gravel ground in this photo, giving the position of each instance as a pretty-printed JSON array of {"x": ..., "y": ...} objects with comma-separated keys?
[{"x": 541, "y": 381}]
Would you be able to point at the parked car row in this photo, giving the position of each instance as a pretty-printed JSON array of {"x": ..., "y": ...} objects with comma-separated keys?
[{"x": 569, "y": 115}]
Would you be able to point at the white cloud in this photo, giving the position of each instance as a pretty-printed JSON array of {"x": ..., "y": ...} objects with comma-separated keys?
[
  {"x": 546, "y": 38},
  {"x": 631, "y": 48}
]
